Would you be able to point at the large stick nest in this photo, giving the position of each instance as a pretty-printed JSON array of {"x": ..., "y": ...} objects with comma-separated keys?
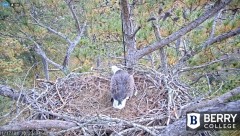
[{"x": 86, "y": 96}]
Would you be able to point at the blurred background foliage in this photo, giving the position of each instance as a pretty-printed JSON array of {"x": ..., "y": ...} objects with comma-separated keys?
[{"x": 101, "y": 45}]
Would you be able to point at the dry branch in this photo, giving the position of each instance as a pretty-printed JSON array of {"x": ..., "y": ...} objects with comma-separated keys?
[
  {"x": 220, "y": 4},
  {"x": 213, "y": 40},
  {"x": 228, "y": 56},
  {"x": 74, "y": 16},
  {"x": 51, "y": 29},
  {"x": 73, "y": 44},
  {"x": 39, "y": 50},
  {"x": 175, "y": 129},
  {"x": 214, "y": 24},
  {"x": 164, "y": 67},
  {"x": 38, "y": 124},
  {"x": 135, "y": 32},
  {"x": 80, "y": 99},
  {"x": 150, "y": 131},
  {"x": 11, "y": 93},
  {"x": 221, "y": 37},
  {"x": 221, "y": 99}
]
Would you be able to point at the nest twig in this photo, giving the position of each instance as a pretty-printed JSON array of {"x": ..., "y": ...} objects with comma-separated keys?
[{"x": 85, "y": 100}]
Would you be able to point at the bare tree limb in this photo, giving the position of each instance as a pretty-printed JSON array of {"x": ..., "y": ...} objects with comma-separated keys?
[
  {"x": 51, "y": 30},
  {"x": 209, "y": 84},
  {"x": 42, "y": 53},
  {"x": 73, "y": 45},
  {"x": 74, "y": 16},
  {"x": 164, "y": 67},
  {"x": 214, "y": 24},
  {"x": 208, "y": 63},
  {"x": 159, "y": 44},
  {"x": 218, "y": 38},
  {"x": 11, "y": 93},
  {"x": 221, "y": 99},
  {"x": 212, "y": 73},
  {"x": 135, "y": 32},
  {"x": 38, "y": 124},
  {"x": 221, "y": 37},
  {"x": 125, "y": 131},
  {"x": 163, "y": 56},
  {"x": 105, "y": 118}
]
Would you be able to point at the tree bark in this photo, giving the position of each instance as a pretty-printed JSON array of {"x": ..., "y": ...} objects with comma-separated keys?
[
  {"x": 218, "y": 100},
  {"x": 40, "y": 52},
  {"x": 175, "y": 129},
  {"x": 71, "y": 47},
  {"x": 220, "y": 4},
  {"x": 213, "y": 40},
  {"x": 129, "y": 33},
  {"x": 11, "y": 93},
  {"x": 221, "y": 37},
  {"x": 71, "y": 43},
  {"x": 38, "y": 124}
]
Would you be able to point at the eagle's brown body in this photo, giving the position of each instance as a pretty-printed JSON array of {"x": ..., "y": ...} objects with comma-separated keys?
[{"x": 122, "y": 87}]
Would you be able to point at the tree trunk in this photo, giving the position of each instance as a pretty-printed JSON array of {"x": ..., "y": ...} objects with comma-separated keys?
[{"x": 128, "y": 34}]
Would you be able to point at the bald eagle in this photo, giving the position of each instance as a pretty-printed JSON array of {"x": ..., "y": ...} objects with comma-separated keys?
[{"x": 121, "y": 87}]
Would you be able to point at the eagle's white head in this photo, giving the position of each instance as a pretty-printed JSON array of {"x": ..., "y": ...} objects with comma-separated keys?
[{"x": 115, "y": 69}]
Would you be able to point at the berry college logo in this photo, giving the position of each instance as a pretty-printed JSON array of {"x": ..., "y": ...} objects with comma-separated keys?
[
  {"x": 193, "y": 120},
  {"x": 213, "y": 121}
]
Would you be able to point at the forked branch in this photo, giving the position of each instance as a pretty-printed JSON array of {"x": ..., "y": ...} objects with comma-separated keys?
[{"x": 220, "y": 4}]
